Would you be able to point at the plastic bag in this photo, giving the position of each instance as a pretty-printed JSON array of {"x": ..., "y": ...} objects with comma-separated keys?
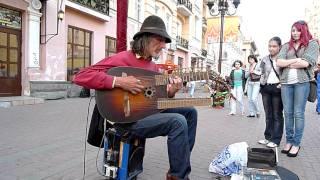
[{"x": 230, "y": 160}]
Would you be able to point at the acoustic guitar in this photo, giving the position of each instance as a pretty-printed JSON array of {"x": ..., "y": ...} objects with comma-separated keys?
[{"x": 121, "y": 106}]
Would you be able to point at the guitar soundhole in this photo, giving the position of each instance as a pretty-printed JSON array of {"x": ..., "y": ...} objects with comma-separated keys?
[{"x": 149, "y": 92}]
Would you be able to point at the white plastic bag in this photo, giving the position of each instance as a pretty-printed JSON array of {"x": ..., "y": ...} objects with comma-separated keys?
[{"x": 230, "y": 160}]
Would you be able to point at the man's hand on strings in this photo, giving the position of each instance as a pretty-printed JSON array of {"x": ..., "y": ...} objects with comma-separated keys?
[
  {"x": 129, "y": 83},
  {"x": 175, "y": 84}
]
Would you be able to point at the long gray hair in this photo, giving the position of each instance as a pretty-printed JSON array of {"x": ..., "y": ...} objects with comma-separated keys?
[{"x": 140, "y": 45}]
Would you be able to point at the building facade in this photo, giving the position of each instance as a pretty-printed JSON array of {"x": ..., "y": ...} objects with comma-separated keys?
[
  {"x": 46, "y": 42},
  {"x": 312, "y": 16},
  {"x": 43, "y": 43},
  {"x": 185, "y": 21}
]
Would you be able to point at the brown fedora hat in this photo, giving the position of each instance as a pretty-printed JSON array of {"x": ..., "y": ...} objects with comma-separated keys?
[{"x": 154, "y": 25}]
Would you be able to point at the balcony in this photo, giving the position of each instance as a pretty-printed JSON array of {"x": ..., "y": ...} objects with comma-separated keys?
[
  {"x": 101, "y": 6},
  {"x": 184, "y": 7},
  {"x": 172, "y": 46},
  {"x": 182, "y": 43},
  {"x": 204, "y": 52}
]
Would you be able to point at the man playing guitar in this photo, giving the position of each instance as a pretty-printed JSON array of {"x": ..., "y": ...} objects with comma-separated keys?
[{"x": 179, "y": 124}]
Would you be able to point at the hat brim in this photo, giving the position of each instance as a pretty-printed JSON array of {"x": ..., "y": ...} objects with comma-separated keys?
[{"x": 157, "y": 32}]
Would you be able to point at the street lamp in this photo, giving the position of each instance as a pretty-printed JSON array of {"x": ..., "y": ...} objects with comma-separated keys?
[{"x": 222, "y": 7}]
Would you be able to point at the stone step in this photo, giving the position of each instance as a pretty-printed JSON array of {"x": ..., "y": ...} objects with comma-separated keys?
[{"x": 6, "y": 102}]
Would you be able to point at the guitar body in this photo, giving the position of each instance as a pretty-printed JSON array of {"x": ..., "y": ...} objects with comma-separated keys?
[{"x": 120, "y": 106}]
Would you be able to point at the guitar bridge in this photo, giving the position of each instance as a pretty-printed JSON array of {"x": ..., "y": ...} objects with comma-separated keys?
[{"x": 126, "y": 104}]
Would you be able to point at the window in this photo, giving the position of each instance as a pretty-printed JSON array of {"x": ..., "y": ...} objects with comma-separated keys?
[
  {"x": 198, "y": 28},
  {"x": 170, "y": 56},
  {"x": 112, "y": 4},
  {"x": 138, "y": 6},
  {"x": 168, "y": 23},
  {"x": 179, "y": 28},
  {"x": 157, "y": 10},
  {"x": 110, "y": 46},
  {"x": 193, "y": 64},
  {"x": 180, "y": 62},
  {"x": 78, "y": 50}
]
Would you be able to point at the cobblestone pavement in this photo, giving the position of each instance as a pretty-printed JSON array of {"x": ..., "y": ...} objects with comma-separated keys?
[{"x": 46, "y": 141}]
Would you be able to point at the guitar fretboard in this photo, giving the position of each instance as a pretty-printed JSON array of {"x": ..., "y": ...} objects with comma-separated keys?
[
  {"x": 192, "y": 76},
  {"x": 183, "y": 102}
]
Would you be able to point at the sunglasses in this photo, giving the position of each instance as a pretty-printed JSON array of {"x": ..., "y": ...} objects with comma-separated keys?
[{"x": 301, "y": 22}]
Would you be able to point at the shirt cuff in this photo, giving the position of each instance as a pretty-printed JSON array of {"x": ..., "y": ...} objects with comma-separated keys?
[{"x": 114, "y": 81}]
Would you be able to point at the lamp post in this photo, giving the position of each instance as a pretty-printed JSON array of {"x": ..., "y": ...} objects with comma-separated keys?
[{"x": 222, "y": 7}]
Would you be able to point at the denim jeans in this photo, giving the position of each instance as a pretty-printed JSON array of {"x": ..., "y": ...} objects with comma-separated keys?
[
  {"x": 294, "y": 98},
  {"x": 253, "y": 92},
  {"x": 272, "y": 103},
  {"x": 180, "y": 125},
  {"x": 318, "y": 93}
]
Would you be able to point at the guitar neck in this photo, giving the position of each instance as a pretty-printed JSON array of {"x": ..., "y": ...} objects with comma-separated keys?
[
  {"x": 183, "y": 102},
  {"x": 191, "y": 76}
]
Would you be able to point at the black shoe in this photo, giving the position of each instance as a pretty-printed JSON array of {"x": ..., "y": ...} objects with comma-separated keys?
[
  {"x": 293, "y": 155},
  {"x": 286, "y": 151},
  {"x": 251, "y": 116}
]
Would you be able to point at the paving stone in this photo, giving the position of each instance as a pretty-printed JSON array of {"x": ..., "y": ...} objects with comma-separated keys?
[{"x": 46, "y": 141}]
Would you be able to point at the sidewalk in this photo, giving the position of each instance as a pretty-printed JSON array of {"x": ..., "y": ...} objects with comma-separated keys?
[{"x": 46, "y": 141}]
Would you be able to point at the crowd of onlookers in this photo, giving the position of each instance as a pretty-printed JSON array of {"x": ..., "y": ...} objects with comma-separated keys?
[{"x": 283, "y": 78}]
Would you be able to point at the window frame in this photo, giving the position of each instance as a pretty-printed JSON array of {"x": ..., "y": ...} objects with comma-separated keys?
[
  {"x": 107, "y": 49},
  {"x": 73, "y": 45}
]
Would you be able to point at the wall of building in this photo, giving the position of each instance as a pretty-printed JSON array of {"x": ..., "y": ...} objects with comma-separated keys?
[{"x": 52, "y": 55}]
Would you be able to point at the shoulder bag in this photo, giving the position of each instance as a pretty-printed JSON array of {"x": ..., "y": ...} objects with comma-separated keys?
[
  {"x": 313, "y": 85},
  {"x": 313, "y": 89},
  {"x": 254, "y": 77}
]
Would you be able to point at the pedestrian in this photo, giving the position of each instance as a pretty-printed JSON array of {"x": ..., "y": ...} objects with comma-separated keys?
[
  {"x": 253, "y": 86},
  {"x": 271, "y": 95},
  {"x": 297, "y": 59},
  {"x": 184, "y": 88},
  {"x": 192, "y": 85},
  {"x": 317, "y": 77},
  {"x": 179, "y": 124},
  {"x": 237, "y": 82}
]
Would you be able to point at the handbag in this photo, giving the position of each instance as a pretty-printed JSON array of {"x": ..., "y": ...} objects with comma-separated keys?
[
  {"x": 255, "y": 77},
  {"x": 262, "y": 158},
  {"x": 313, "y": 89},
  {"x": 313, "y": 86}
]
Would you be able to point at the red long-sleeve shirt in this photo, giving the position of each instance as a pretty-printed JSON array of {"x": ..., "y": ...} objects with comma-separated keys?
[{"x": 95, "y": 77}]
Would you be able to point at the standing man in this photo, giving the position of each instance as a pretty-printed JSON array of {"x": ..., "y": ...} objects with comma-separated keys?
[{"x": 179, "y": 124}]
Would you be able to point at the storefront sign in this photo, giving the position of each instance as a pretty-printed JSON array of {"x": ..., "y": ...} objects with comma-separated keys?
[{"x": 10, "y": 18}]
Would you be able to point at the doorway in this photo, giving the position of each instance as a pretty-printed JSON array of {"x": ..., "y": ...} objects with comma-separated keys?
[{"x": 10, "y": 62}]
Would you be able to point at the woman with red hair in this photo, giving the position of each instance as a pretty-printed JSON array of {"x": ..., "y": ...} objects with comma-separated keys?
[{"x": 296, "y": 59}]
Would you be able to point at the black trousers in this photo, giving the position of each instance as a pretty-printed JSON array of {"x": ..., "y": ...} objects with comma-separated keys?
[{"x": 273, "y": 107}]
